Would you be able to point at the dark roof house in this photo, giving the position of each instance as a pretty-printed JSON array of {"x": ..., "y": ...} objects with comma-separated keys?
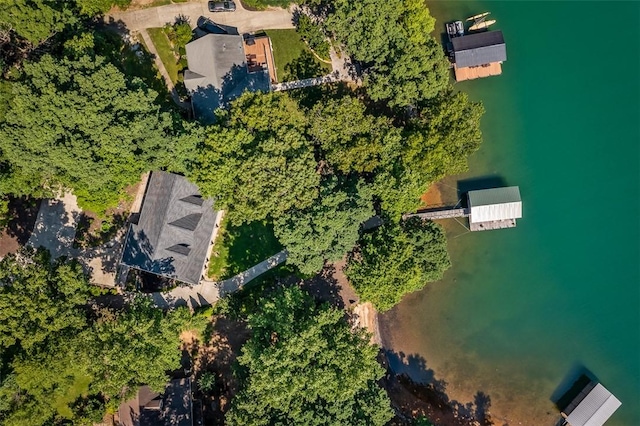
[
  {"x": 174, "y": 233},
  {"x": 479, "y": 49},
  {"x": 172, "y": 408},
  {"x": 218, "y": 73}
]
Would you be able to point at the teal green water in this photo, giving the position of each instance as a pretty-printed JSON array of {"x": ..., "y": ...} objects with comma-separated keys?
[{"x": 523, "y": 308}]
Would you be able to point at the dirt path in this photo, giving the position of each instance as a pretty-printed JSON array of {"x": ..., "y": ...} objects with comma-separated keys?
[{"x": 163, "y": 70}]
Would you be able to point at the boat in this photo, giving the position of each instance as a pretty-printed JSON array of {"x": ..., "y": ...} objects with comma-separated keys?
[
  {"x": 455, "y": 29},
  {"x": 482, "y": 25},
  {"x": 475, "y": 17}
]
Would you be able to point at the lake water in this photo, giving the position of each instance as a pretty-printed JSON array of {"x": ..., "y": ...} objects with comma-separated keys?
[{"x": 523, "y": 309}]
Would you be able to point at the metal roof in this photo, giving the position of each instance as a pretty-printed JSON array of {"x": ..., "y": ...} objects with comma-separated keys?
[
  {"x": 218, "y": 73},
  {"x": 479, "y": 49},
  {"x": 495, "y": 204},
  {"x": 172, "y": 236},
  {"x": 595, "y": 409}
]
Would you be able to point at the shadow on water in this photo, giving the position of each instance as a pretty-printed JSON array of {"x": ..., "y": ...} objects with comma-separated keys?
[
  {"x": 573, "y": 382},
  {"x": 415, "y": 391},
  {"x": 482, "y": 182}
]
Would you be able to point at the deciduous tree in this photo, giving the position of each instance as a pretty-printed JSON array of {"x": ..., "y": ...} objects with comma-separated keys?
[
  {"x": 328, "y": 229},
  {"x": 351, "y": 139},
  {"x": 304, "y": 365},
  {"x": 395, "y": 260},
  {"x": 39, "y": 299},
  {"x": 134, "y": 347},
  {"x": 261, "y": 163},
  {"x": 82, "y": 124},
  {"x": 404, "y": 64}
]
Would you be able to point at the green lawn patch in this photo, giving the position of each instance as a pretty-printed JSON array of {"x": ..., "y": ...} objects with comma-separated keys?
[
  {"x": 165, "y": 51},
  {"x": 294, "y": 60},
  {"x": 263, "y": 4},
  {"x": 238, "y": 248}
]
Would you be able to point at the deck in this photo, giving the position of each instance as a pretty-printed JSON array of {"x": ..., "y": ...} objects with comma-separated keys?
[
  {"x": 471, "y": 73},
  {"x": 494, "y": 224}
]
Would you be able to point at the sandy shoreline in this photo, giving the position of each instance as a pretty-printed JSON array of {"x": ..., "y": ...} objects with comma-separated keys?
[{"x": 367, "y": 318}]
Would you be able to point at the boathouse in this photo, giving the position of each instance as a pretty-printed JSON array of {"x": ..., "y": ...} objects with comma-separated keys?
[
  {"x": 495, "y": 208},
  {"x": 591, "y": 407},
  {"x": 478, "y": 55}
]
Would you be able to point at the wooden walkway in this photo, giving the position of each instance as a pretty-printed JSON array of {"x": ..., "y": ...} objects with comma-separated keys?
[{"x": 442, "y": 213}]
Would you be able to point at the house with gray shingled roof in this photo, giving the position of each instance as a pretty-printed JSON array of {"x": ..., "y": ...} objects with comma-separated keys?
[
  {"x": 173, "y": 235},
  {"x": 218, "y": 73}
]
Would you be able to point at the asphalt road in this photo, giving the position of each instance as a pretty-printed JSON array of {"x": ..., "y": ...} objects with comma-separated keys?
[{"x": 244, "y": 20}]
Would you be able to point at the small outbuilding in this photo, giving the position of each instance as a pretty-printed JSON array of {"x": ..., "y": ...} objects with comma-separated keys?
[
  {"x": 479, "y": 55},
  {"x": 591, "y": 407},
  {"x": 494, "y": 208},
  {"x": 174, "y": 407}
]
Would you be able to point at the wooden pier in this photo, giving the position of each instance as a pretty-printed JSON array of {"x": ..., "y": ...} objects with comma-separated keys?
[
  {"x": 441, "y": 213},
  {"x": 488, "y": 209}
]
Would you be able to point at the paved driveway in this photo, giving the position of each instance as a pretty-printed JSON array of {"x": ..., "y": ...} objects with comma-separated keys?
[{"x": 243, "y": 19}]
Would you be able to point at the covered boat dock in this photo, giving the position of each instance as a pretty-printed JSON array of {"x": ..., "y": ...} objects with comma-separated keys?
[
  {"x": 478, "y": 55},
  {"x": 495, "y": 208},
  {"x": 591, "y": 407}
]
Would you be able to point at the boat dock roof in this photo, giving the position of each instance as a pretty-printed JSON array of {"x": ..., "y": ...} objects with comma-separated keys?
[
  {"x": 478, "y": 49},
  {"x": 592, "y": 407}
]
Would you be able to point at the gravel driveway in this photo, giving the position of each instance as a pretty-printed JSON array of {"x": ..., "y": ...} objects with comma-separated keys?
[{"x": 244, "y": 20}]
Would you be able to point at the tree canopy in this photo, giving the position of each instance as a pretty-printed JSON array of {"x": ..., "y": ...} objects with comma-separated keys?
[
  {"x": 61, "y": 366},
  {"x": 37, "y": 20},
  {"x": 304, "y": 365},
  {"x": 260, "y": 164},
  {"x": 352, "y": 139},
  {"x": 395, "y": 260},
  {"x": 328, "y": 229},
  {"x": 404, "y": 64},
  {"x": 82, "y": 124},
  {"x": 134, "y": 347},
  {"x": 39, "y": 299}
]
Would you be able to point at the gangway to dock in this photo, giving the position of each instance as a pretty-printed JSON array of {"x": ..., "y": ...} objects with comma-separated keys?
[{"x": 440, "y": 213}]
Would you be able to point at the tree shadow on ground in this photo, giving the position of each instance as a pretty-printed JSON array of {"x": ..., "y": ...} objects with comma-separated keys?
[
  {"x": 223, "y": 340},
  {"x": 304, "y": 66},
  {"x": 131, "y": 58},
  {"x": 416, "y": 392},
  {"x": 325, "y": 287},
  {"x": 23, "y": 212}
]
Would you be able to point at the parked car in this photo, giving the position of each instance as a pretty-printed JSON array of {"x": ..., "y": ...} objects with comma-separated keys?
[{"x": 222, "y": 6}]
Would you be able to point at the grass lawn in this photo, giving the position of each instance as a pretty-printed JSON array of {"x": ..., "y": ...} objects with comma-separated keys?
[
  {"x": 293, "y": 58},
  {"x": 263, "y": 4},
  {"x": 238, "y": 248},
  {"x": 163, "y": 46}
]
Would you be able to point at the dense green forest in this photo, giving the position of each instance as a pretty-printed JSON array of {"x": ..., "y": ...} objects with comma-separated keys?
[
  {"x": 80, "y": 111},
  {"x": 60, "y": 364}
]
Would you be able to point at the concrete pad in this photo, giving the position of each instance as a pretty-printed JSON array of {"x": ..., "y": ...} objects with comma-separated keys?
[{"x": 56, "y": 224}]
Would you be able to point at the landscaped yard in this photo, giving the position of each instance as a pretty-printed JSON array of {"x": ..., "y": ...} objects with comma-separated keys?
[
  {"x": 238, "y": 248},
  {"x": 165, "y": 51},
  {"x": 294, "y": 60}
]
